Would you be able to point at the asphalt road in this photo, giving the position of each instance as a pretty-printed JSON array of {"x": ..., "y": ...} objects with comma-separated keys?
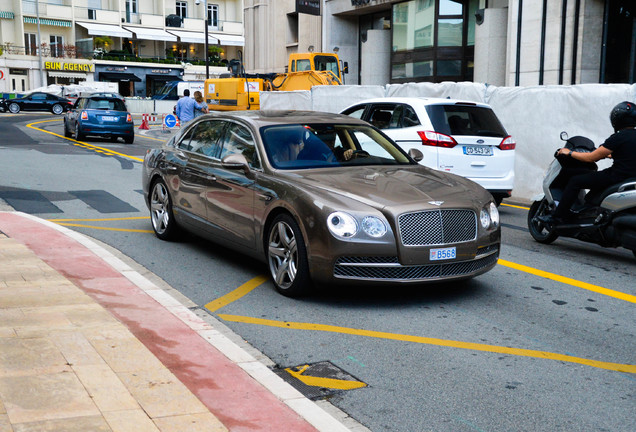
[{"x": 537, "y": 344}]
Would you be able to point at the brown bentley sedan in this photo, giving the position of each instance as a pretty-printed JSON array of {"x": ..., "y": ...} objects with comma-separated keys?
[{"x": 320, "y": 197}]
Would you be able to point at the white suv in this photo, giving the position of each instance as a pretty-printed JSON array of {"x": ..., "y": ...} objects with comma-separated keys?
[{"x": 463, "y": 138}]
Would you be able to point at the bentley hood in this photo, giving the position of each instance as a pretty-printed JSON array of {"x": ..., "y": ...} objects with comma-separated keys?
[{"x": 399, "y": 188}]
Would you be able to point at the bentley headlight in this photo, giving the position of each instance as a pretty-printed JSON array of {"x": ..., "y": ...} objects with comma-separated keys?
[
  {"x": 342, "y": 225},
  {"x": 489, "y": 216},
  {"x": 494, "y": 215},
  {"x": 484, "y": 218},
  {"x": 373, "y": 226}
]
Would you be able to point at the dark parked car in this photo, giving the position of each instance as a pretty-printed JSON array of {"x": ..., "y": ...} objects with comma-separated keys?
[
  {"x": 100, "y": 116},
  {"x": 37, "y": 101},
  {"x": 320, "y": 197}
]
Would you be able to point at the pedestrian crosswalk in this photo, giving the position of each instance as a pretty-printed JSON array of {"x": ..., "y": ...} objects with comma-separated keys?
[{"x": 44, "y": 202}]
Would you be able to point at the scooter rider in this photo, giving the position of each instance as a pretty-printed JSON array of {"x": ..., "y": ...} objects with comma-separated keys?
[{"x": 620, "y": 147}]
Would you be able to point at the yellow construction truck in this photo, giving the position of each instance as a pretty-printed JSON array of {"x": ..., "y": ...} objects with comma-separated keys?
[{"x": 240, "y": 91}]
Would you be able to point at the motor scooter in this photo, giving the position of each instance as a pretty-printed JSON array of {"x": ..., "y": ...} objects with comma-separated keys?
[{"x": 606, "y": 217}]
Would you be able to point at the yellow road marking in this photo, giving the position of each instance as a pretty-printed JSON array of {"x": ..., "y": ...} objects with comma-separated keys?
[
  {"x": 628, "y": 368},
  {"x": 100, "y": 220},
  {"x": 147, "y": 137},
  {"x": 331, "y": 383},
  {"x": 515, "y": 206},
  {"x": 230, "y": 297},
  {"x": 80, "y": 143},
  {"x": 106, "y": 228},
  {"x": 566, "y": 280}
]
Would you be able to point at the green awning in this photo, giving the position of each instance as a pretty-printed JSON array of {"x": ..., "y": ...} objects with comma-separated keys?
[
  {"x": 7, "y": 15},
  {"x": 46, "y": 21}
]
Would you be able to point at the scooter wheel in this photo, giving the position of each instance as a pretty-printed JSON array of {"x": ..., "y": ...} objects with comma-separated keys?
[{"x": 539, "y": 231}]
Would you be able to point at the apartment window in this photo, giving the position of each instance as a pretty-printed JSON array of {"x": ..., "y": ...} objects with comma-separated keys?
[
  {"x": 93, "y": 6},
  {"x": 433, "y": 40},
  {"x": 131, "y": 9},
  {"x": 182, "y": 9},
  {"x": 213, "y": 15},
  {"x": 30, "y": 44},
  {"x": 57, "y": 46}
]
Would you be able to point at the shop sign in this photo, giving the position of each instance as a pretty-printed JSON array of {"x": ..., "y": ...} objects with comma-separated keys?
[
  {"x": 161, "y": 71},
  {"x": 311, "y": 7},
  {"x": 79, "y": 67},
  {"x": 116, "y": 69}
]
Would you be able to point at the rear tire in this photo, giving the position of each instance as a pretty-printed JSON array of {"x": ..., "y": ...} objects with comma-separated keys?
[
  {"x": 67, "y": 132},
  {"x": 57, "y": 109},
  {"x": 161, "y": 215},
  {"x": 78, "y": 135},
  {"x": 538, "y": 231},
  {"x": 287, "y": 257},
  {"x": 129, "y": 140}
]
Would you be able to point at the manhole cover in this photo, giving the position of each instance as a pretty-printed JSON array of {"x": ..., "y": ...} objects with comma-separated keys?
[{"x": 318, "y": 380}]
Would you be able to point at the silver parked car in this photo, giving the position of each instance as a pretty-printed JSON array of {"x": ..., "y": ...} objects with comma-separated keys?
[{"x": 319, "y": 197}]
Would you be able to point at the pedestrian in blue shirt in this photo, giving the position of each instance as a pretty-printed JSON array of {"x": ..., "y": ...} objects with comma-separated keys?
[{"x": 185, "y": 108}]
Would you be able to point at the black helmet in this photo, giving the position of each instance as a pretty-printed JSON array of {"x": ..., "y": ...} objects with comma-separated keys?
[{"x": 623, "y": 116}]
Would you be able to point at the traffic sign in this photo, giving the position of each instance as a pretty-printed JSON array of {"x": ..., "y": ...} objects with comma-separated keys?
[{"x": 170, "y": 121}]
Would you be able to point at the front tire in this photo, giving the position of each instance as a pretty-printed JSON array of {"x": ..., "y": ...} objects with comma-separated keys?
[
  {"x": 539, "y": 231},
  {"x": 14, "y": 108},
  {"x": 287, "y": 257},
  {"x": 57, "y": 109},
  {"x": 161, "y": 215}
]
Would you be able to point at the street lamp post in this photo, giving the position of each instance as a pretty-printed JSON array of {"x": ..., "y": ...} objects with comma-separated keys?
[{"x": 205, "y": 15}]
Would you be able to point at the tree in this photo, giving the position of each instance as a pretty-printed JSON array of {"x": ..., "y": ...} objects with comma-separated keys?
[{"x": 103, "y": 42}]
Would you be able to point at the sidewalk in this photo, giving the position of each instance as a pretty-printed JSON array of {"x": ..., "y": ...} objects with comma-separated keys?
[{"x": 89, "y": 344}]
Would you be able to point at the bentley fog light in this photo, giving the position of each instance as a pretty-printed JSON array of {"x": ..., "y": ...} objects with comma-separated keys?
[
  {"x": 342, "y": 224},
  {"x": 373, "y": 226}
]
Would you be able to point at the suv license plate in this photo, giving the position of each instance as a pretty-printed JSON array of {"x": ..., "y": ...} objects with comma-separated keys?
[
  {"x": 443, "y": 254},
  {"x": 478, "y": 150},
  {"x": 109, "y": 118}
]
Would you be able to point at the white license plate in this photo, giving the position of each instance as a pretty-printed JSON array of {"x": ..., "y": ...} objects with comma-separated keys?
[
  {"x": 478, "y": 150},
  {"x": 109, "y": 118},
  {"x": 443, "y": 254}
]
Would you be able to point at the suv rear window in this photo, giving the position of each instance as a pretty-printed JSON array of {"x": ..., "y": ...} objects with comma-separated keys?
[
  {"x": 465, "y": 120},
  {"x": 106, "y": 104}
]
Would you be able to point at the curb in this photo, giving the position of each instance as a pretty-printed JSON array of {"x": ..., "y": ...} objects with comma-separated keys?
[{"x": 315, "y": 415}]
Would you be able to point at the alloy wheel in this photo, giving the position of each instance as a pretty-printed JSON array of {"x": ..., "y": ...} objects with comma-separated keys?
[{"x": 283, "y": 254}]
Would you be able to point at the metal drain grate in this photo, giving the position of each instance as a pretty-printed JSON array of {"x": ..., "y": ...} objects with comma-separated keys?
[{"x": 318, "y": 380}]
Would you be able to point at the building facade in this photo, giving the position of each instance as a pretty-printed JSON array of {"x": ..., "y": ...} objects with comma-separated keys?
[
  {"x": 500, "y": 42},
  {"x": 138, "y": 44}
]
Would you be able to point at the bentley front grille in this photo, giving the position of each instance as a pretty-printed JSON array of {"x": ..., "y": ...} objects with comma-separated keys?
[{"x": 437, "y": 227}]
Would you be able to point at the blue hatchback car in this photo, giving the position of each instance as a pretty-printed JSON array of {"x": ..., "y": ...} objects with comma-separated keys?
[{"x": 101, "y": 116}]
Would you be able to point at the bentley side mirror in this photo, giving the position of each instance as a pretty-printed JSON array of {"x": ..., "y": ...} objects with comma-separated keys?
[{"x": 416, "y": 155}]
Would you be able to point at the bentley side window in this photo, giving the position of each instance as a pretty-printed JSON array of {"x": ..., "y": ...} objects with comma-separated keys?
[{"x": 239, "y": 140}]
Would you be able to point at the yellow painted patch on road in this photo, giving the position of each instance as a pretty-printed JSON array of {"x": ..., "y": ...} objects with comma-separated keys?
[
  {"x": 330, "y": 383},
  {"x": 521, "y": 352},
  {"x": 82, "y": 144},
  {"x": 566, "y": 280},
  {"x": 244, "y": 289}
]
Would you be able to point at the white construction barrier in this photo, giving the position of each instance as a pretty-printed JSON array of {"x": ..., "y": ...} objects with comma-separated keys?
[{"x": 286, "y": 100}]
